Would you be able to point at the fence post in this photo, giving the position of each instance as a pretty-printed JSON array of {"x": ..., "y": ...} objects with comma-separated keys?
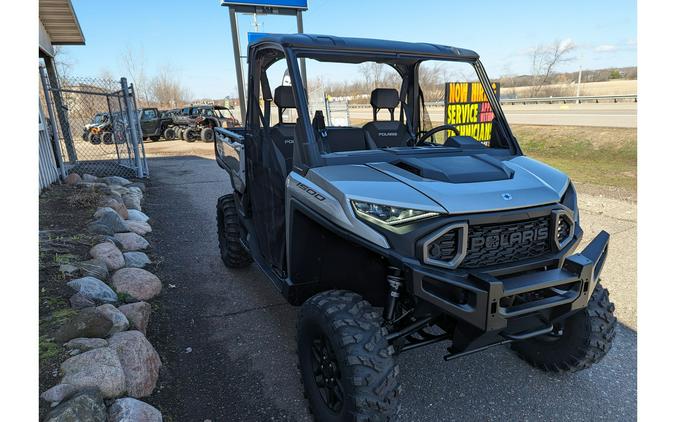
[
  {"x": 133, "y": 127},
  {"x": 55, "y": 87},
  {"x": 52, "y": 120}
]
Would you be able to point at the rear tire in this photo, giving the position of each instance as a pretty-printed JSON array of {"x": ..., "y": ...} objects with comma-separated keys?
[
  {"x": 587, "y": 337},
  {"x": 154, "y": 138},
  {"x": 232, "y": 251},
  {"x": 207, "y": 134},
  {"x": 94, "y": 139},
  {"x": 169, "y": 134},
  {"x": 107, "y": 138},
  {"x": 347, "y": 366}
]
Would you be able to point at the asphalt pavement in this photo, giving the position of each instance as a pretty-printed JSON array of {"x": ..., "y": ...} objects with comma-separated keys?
[{"x": 227, "y": 337}]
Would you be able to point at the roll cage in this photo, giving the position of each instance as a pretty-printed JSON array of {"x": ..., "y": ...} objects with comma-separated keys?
[{"x": 403, "y": 57}]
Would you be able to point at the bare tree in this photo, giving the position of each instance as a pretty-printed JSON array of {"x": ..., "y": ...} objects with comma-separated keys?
[
  {"x": 166, "y": 90},
  {"x": 134, "y": 64},
  {"x": 545, "y": 59}
]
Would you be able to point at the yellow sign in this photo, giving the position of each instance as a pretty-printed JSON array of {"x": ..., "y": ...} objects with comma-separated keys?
[{"x": 468, "y": 108}]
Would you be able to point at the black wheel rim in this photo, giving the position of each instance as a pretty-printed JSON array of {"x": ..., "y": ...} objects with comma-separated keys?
[{"x": 327, "y": 375}]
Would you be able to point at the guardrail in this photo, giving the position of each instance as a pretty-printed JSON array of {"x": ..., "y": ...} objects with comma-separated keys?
[
  {"x": 542, "y": 100},
  {"x": 571, "y": 99}
]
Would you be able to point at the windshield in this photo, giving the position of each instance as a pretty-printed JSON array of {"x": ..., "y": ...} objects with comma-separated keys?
[{"x": 364, "y": 105}]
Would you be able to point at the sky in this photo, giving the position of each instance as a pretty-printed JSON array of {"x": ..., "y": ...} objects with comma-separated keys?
[{"x": 192, "y": 38}]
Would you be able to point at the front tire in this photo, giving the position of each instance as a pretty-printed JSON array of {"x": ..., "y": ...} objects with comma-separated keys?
[
  {"x": 169, "y": 134},
  {"x": 187, "y": 135},
  {"x": 586, "y": 338},
  {"x": 207, "y": 134},
  {"x": 232, "y": 251},
  {"x": 347, "y": 366}
]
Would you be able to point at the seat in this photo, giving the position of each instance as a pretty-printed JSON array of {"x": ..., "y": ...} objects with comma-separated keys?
[
  {"x": 386, "y": 133},
  {"x": 338, "y": 139},
  {"x": 283, "y": 134}
]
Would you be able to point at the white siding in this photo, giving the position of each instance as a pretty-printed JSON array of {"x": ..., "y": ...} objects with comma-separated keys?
[{"x": 47, "y": 164}]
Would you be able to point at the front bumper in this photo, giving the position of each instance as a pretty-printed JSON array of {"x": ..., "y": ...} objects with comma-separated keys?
[{"x": 490, "y": 302}]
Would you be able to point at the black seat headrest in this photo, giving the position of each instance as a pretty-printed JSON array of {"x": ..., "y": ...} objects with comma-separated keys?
[
  {"x": 384, "y": 98},
  {"x": 283, "y": 97}
]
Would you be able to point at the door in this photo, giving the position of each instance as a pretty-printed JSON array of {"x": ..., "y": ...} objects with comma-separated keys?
[
  {"x": 149, "y": 122},
  {"x": 266, "y": 167}
]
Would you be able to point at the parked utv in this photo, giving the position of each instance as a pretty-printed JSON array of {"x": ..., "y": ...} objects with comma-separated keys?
[
  {"x": 401, "y": 233},
  {"x": 154, "y": 123},
  {"x": 198, "y": 122}
]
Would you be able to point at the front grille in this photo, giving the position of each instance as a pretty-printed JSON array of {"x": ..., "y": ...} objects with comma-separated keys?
[{"x": 492, "y": 244}]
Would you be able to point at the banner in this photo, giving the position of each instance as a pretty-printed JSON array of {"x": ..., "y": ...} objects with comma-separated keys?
[{"x": 467, "y": 107}]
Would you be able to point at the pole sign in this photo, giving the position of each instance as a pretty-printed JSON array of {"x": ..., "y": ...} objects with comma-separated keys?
[
  {"x": 284, "y": 4},
  {"x": 468, "y": 108}
]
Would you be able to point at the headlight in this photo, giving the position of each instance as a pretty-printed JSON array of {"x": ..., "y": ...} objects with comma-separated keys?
[{"x": 387, "y": 214}]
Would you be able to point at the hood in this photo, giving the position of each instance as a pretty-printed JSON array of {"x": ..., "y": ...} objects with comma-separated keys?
[{"x": 479, "y": 183}]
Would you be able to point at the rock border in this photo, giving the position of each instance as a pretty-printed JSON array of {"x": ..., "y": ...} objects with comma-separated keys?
[{"x": 110, "y": 357}]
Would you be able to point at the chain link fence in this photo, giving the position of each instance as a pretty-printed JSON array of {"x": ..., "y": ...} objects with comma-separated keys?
[{"x": 97, "y": 125}]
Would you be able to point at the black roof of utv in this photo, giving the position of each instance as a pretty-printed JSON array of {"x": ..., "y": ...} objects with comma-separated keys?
[{"x": 330, "y": 42}]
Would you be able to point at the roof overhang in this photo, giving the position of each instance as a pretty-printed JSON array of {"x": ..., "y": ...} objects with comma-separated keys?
[{"x": 58, "y": 20}]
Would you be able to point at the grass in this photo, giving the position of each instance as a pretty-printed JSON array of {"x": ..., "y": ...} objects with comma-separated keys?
[
  {"x": 48, "y": 349},
  {"x": 596, "y": 156}
]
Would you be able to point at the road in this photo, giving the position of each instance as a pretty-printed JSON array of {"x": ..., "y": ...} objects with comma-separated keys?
[
  {"x": 227, "y": 338},
  {"x": 601, "y": 115}
]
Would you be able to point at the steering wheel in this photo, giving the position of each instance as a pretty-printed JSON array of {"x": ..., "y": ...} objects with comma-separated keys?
[{"x": 436, "y": 130}]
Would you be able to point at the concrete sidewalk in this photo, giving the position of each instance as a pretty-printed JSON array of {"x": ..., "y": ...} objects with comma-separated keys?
[{"x": 227, "y": 337}]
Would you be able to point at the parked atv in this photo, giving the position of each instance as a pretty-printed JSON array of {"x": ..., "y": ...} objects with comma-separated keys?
[
  {"x": 97, "y": 128},
  {"x": 400, "y": 234}
]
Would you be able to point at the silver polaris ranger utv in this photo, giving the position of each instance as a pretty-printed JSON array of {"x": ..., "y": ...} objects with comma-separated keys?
[{"x": 402, "y": 232}]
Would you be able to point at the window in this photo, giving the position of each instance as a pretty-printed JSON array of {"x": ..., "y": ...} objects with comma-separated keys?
[{"x": 149, "y": 114}]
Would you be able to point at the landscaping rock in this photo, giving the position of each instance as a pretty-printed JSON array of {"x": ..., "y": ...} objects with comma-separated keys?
[
  {"x": 73, "y": 179},
  {"x": 98, "y": 228},
  {"x": 137, "y": 215},
  {"x": 137, "y": 283},
  {"x": 58, "y": 393},
  {"x": 91, "y": 185},
  {"x": 139, "y": 185},
  {"x": 102, "y": 210},
  {"x": 118, "y": 189},
  {"x": 118, "y": 319},
  {"x": 113, "y": 220},
  {"x": 116, "y": 180},
  {"x": 119, "y": 207},
  {"x": 108, "y": 253},
  {"x": 101, "y": 238},
  {"x": 96, "y": 268},
  {"x": 86, "y": 405},
  {"x": 68, "y": 269},
  {"x": 131, "y": 241},
  {"x": 132, "y": 410},
  {"x": 136, "y": 259},
  {"x": 78, "y": 301},
  {"x": 109, "y": 199},
  {"x": 85, "y": 344},
  {"x": 96, "y": 368},
  {"x": 139, "y": 360},
  {"x": 138, "y": 227},
  {"x": 89, "y": 178},
  {"x": 93, "y": 289},
  {"x": 138, "y": 315},
  {"x": 132, "y": 201},
  {"x": 89, "y": 322}
]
